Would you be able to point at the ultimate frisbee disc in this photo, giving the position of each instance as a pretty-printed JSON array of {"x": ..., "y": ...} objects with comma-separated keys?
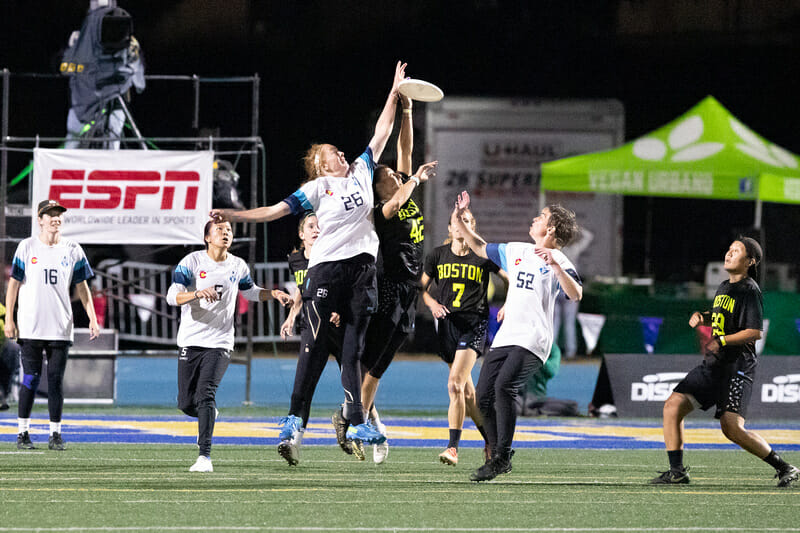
[{"x": 420, "y": 90}]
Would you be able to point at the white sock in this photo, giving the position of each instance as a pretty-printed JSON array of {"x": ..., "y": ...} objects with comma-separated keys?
[
  {"x": 298, "y": 438},
  {"x": 55, "y": 427},
  {"x": 375, "y": 417},
  {"x": 24, "y": 424}
]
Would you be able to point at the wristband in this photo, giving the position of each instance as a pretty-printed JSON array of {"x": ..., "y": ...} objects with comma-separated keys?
[
  {"x": 407, "y": 111},
  {"x": 722, "y": 340},
  {"x": 415, "y": 179}
]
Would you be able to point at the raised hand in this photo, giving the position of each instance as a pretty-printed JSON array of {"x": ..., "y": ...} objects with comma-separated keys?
[{"x": 427, "y": 171}]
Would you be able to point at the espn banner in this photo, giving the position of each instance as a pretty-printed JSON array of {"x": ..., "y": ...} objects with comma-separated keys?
[
  {"x": 126, "y": 196},
  {"x": 640, "y": 383}
]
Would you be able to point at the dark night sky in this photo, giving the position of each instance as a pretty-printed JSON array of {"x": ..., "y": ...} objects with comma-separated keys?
[{"x": 326, "y": 67}]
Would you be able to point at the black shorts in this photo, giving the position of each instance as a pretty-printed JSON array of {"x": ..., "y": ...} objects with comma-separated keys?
[
  {"x": 390, "y": 326},
  {"x": 397, "y": 301},
  {"x": 347, "y": 287},
  {"x": 728, "y": 386},
  {"x": 459, "y": 331}
]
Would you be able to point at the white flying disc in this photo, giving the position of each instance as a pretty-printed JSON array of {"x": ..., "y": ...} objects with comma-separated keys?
[{"x": 420, "y": 90}]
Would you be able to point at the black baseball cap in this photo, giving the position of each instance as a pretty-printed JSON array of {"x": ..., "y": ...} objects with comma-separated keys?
[{"x": 47, "y": 205}]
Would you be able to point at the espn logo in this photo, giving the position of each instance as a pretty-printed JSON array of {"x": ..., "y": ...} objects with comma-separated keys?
[
  {"x": 108, "y": 189},
  {"x": 655, "y": 387},
  {"x": 783, "y": 389}
]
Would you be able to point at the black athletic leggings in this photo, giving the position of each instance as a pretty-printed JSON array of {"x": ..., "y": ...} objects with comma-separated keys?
[
  {"x": 33, "y": 353},
  {"x": 504, "y": 372},
  {"x": 200, "y": 371},
  {"x": 309, "y": 370}
]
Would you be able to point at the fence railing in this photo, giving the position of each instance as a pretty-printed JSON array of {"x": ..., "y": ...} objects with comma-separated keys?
[{"x": 136, "y": 305}]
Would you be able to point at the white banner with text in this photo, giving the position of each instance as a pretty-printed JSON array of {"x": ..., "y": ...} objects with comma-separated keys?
[{"x": 126, "y": 196}]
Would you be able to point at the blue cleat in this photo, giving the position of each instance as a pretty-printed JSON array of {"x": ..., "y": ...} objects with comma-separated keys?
[
  {"x": 290, "y": 425},
  {"x": 366, "y": 433}
]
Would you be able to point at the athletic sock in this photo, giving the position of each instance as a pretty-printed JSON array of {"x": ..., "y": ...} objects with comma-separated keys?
[
  {"x": 24, "y": 424},
  {"x": 55, "y": 427},
  {"x": 675, "y": 459},
  {"x": 775, "y": 461},
  {"x": 455, "y": 438}
]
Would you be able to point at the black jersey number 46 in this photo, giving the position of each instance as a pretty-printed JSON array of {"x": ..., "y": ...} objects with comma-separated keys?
[{"x": 525, "y": 280}]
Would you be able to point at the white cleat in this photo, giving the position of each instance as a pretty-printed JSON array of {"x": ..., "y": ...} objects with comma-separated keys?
[
  {"x": 203, "y": 464},
  {"x": 380, "y": 452}
]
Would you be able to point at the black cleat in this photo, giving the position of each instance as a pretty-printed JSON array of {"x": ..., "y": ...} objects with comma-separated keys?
[
  {"x": 24, "y": 441},
  {"x": 492, "y": 469},
  {"x": 289, "y": 451},
  {"x": 340, "y": 424},
  {"x": 787, "y": 476},
  {"x": 672, "y": 477},
  {"x": 55, "y": 442}
]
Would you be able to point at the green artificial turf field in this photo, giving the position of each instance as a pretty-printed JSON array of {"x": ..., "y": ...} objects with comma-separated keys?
[{"x": 146, "y": 487}]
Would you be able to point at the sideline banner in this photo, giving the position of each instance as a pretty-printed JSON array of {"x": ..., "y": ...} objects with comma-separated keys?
[
  {"x": 126, "y": 196},
  {"x": 640, "y": 383}
]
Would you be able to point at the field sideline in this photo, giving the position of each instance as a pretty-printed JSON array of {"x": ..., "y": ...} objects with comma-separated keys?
[{"x": 568, "y": 475}]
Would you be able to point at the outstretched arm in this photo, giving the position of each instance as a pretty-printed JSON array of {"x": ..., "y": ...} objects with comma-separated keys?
[
  {"x": 383, "y": 129},
  {"x": 401, "y": 196},
  {"x": 475, "y": 242},
  {"x": 259, "y": 214}
]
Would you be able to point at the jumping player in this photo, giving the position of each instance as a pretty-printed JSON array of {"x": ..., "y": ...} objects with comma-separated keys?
[
  {"x": 538, "y": 273},
  {"x": 205, "y": 284},
  {"x": 399, "y": 224},
  {"x": 459, "y": 304},
  {"x": 43, "y": 271},
  {"x": 341, "y": 269},
  {"x": 725, "y": 377},
  {"x": 309, "y": 370}
]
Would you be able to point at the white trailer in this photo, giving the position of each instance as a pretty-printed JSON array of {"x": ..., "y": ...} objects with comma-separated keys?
[{"x": 493, "y": 148}]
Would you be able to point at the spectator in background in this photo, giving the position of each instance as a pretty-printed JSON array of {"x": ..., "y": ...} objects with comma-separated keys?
[{"x": 566, "y": 311}]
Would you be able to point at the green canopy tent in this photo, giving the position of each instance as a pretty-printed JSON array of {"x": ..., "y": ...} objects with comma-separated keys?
[{"x": 705, "y": 153}]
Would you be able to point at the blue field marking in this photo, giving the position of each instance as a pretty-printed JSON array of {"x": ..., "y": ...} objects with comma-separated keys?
[{"x": 578, "y": 433}]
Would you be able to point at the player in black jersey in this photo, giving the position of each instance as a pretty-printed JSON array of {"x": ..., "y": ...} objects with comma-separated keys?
[
  {"x": 309, "y": 370},
  {"x": 399, "y": 225},
  {"x": 725, "y": 378},
  {"x": 459, "y": 305}
]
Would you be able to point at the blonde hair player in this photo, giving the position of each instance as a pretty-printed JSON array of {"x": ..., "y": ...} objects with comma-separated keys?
[
  {"x": 341, "y": 270},
  {"x": 460, "y": 281}
]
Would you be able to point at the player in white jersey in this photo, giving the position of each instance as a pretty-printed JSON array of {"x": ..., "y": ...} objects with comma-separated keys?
[
  {"x": 205, "y": 284},
  {"x": 44, "y": 270},
  {"x": 341, "y": 270},
  {"x": 537, "y": 273}
]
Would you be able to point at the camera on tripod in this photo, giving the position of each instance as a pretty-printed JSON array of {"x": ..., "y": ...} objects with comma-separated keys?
[{"x": 103, "y": 61}]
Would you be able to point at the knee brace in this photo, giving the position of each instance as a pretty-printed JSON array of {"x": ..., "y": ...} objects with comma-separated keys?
[{"x": 31, "y": 381}]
